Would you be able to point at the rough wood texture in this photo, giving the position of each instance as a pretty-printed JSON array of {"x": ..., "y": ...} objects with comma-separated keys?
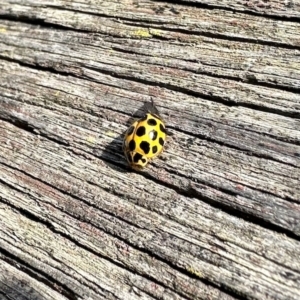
[{"x": 217, "y": 216}]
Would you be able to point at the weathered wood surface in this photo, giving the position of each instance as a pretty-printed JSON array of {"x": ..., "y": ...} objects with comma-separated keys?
[{"x": 217, "y": 216}]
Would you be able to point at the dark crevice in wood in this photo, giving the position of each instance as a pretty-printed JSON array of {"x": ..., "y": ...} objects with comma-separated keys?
[
  {"x": 39, "y": 22},
  {"x": 215, "y": 35},
  {"x": 191, "y": 192},
  {"x": 5, "y": 297},
  {"x": 19, "y": 123},
  {"x": 245, "y": 151},
  {"x": 31, "y": 129},
  {"x": 189, "y": 92},
  {"x": 254, "y": 81},
  {"x": 37, "y": 67},
  {"x": 37, "y": 274},
  {"x": 220, "y": 7},
  {"x": 21, "y": 210},
  {"x": 164, "y": 85},
  {"x": 248, "y": 80}
]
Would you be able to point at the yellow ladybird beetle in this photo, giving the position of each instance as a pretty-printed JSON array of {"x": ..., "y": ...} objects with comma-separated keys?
[{"x": 144, "y": 140}]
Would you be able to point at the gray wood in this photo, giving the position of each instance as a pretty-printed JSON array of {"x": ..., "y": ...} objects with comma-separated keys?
[{"x": 216, "y": 216}]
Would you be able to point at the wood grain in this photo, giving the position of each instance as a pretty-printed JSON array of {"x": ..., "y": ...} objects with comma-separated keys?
[{"x": 216, "y": 216}]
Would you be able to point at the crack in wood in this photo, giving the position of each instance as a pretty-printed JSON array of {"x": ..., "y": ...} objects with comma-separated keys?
[{"x": 37, "y": 274}]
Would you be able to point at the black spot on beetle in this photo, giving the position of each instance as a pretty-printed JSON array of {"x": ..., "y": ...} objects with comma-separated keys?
[
  {"x": 141, "y": 131},
  {"x": 145, "y": 146},
  {"x": 131, "y": 145},
  {"x": 143, "y": 160},
  {"x": 161, "y": 141},
  {"x": 130, "y": 130},
  {"x": 137, "y": 157},
  {"x": 152, "y": 122},
  {"x": 162, "y": 128},
  {"x": 153, "y": 135},
  {"x": 154, "y": 149}
]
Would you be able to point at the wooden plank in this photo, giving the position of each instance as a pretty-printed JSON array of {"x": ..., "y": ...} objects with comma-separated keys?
[
  {"x": 75, "y": 199},
  {"x": 216, "y": 216}
]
